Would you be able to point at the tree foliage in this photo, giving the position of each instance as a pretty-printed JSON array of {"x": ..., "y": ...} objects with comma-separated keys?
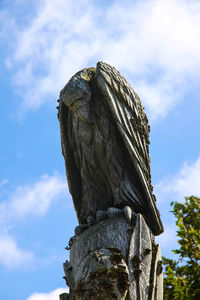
[{"x": 182, "y": 276}]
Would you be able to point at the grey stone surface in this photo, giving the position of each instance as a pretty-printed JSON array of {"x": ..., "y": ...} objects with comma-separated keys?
[
  {"x": 157, "y": 275},
  {"x": 115, "y": 259},
  {"x": 140, "y": 259}
]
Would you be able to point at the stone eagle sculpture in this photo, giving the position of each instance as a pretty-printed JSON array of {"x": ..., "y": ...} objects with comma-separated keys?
[{"x": 105, "y": 144}]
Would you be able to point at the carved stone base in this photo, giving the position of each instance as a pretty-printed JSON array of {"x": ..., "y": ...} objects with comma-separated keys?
[{"x": 115, "y": 259}]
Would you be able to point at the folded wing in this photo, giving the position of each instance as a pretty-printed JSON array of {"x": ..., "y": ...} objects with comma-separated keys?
[{"x": 132, "y": 123}]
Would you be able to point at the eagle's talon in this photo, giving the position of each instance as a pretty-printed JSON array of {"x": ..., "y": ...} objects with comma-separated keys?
[
  {"x": 101, "y": 215},
  {"x": 80, "y": 228},
  {"x": 113, "y": 212},
  {"x": 91, "y": 221},
  {"x": 127, "y": 213}
]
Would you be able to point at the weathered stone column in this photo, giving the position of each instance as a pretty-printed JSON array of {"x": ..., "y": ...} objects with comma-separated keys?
[{"x": 115, "y": 259}]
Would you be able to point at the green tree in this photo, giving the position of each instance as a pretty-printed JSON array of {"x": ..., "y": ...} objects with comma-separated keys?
[{"x": 182, "y": 276}]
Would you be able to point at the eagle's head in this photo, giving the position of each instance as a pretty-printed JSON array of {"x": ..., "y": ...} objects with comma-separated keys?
[{"x": 77, "y": 93}]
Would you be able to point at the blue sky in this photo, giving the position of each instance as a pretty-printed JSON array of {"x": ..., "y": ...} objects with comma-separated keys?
[{"x": 156, "y": 46}]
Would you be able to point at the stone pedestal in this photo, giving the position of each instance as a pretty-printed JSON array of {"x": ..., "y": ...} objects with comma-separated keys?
[{"x": 115, "y": 259}]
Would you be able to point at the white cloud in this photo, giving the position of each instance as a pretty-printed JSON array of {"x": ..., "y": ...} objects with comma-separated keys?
[
  {"x": 168, "y": 240},
  {"x": 11, "y": 256},
  {"x": 53, "y": 295},
  {"x": 152, "y": 95},
  {"x": 33, "y": 199},
  {"x": 36, "y": 198},
  {"x": 25, "y": 201},
  {"x": 155, "y": 43},
  {"x": 3, "y": 182},
  {"x": 183, "y": 184}
]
